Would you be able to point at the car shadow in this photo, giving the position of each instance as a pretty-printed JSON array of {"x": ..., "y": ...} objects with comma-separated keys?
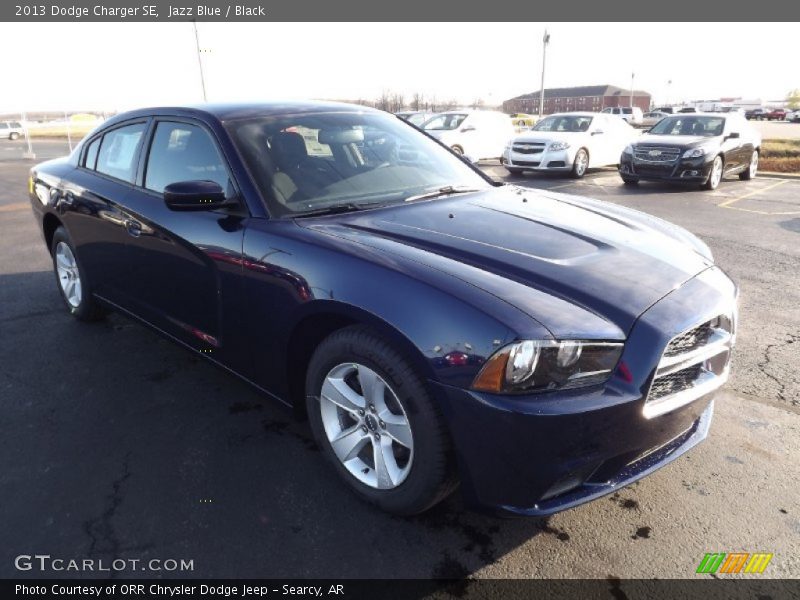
[{"x": 121, "y": 445}]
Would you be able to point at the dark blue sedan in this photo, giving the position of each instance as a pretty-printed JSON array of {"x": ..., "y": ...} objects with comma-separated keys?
[{"x": 436, "y": 328}]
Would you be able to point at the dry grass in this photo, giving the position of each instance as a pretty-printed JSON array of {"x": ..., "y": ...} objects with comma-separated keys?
[{"x": 780, "y": 156}]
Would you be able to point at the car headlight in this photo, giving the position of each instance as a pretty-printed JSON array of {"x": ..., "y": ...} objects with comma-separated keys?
[
  {"x": 559, "y": 145},
  {"x": 628, "y": 149},
  {"x": 543, "y": 365},
  {"x": 695, "y": 152}
]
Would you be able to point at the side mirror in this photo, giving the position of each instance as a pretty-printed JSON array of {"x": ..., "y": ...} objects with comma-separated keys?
[
  {"x": 467, "y": 128},
  {"x": 195, "y": 195},
  {"x": 734, "y": 135},
  {"x": 598, "y": 132}
]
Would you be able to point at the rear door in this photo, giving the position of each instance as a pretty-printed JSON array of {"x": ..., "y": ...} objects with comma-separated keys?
[
  {"x": 184, "y": 267},
  {"x": 93, "y": 209}
]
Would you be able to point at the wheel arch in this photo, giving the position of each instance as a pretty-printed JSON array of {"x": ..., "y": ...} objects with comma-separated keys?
[
  {"x": 50, "y": 223},
  {"x": 323, "y": 320}
]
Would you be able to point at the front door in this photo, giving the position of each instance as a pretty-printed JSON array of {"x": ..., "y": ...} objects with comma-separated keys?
[{"x": 184, "y": 267}]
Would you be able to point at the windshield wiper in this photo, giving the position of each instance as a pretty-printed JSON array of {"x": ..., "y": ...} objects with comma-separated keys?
[
  {"x": 336, "y": 209},
  {"x": 442, "y": 191}
]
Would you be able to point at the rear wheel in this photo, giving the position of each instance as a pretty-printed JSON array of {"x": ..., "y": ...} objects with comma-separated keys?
[
  {"x": 71, "y": 277},
  {"x": 580, "y": 164},
  {"x": 375, "y": 421},
  {"x": 13, "y": 135},
  {"x": 715, "y": 176},
  {"x": 751, "y": 169}
]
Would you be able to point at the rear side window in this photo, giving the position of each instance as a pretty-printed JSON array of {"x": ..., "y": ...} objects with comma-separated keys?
[
  {"x": 183, "y": 152},
  {"x": 3, "y": 125},
  {"x": 117, "y": 155},
  {"x": 90, "y": 158}
]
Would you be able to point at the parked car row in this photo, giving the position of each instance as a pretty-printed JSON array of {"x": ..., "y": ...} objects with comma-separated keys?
[{"x": 766, "y": 114}]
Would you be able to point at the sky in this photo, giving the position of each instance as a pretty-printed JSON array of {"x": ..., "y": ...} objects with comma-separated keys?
[{"x": 117, "y": 66}]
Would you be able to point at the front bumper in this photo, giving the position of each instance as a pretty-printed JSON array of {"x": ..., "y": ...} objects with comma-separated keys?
[
  {"x": 534, "y": 455},
  {"x": 547, "y": 160},
  {"x": 683, "y": 170}
]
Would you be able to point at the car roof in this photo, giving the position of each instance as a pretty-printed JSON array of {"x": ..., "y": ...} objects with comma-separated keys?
[
  {"x": 577, "y": 113},
  {"x": 234, "y": 111}
]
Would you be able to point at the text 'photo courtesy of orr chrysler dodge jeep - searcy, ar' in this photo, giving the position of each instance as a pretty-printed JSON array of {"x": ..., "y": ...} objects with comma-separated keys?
[{"x": 437, "y": 329}]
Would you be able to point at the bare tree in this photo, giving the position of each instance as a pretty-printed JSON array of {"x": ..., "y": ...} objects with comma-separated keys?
[
  {"x": 478, "y": 103},
  {"x": 397, "y": 102},
  {"x": 450, "y": 104},
  {"x": 417, "y": 101}
]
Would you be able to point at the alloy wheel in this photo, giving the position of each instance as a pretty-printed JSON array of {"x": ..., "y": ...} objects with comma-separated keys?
[
  {"x": 366, "y": 426},
  {"x": 754, "y": 164},
  {"x": 716, "y": 173},
  {"x": 581, "y": 162},
  {"x": 68, "y": 274}
]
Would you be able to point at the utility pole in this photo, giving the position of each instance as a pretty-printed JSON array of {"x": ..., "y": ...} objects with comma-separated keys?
[
  {"x": 669, "y": 85},
  {"x": 632, "y": 76},
  {"x": 199, "y": 61},
  {"x": 545, "y": 41}
]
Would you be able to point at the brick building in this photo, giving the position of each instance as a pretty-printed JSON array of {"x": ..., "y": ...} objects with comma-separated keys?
[{"x": 588, "y": 97}]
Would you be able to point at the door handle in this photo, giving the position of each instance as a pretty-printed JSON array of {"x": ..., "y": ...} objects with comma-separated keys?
[{"x": 133, "y": 228}]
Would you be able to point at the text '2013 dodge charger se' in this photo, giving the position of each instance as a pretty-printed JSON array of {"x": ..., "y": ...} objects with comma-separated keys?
[{"x": 437, "y": 328}]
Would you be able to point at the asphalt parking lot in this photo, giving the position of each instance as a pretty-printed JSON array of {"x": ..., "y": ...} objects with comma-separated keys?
[{"x": 115, "y": 443}]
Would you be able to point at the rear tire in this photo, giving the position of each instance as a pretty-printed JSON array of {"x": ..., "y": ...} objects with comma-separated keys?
[
  {"x": 421, "y": 470},
  {"x": 751, "y": 169},
  {"x": 13, "y": 136},
  {"x": 75, "y": 290}
]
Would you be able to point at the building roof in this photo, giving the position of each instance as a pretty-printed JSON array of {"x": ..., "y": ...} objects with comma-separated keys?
[{"x": 583, "y": 90}]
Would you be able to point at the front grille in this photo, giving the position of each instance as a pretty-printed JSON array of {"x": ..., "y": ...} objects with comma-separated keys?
[
  {"x": 525, "y": 163},
  {"x": 690, "y": 340},
  {"x": 656, "y": 154},
  {"x": 694, "y": 363},
  {"x": 527, "y": 148},
  {"x": 674, "y": 382},
  {"x": 653, "y": 171}
]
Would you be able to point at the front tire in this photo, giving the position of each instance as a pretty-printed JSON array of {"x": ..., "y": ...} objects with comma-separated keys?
[
  {"x": 514, "y": 171},
  {"x": 715, "y": 176},
  {"x": 629, "y": 180},
  {"x": 374, "y": 419},
  {"x": 751, "y": 169},
  {"x": 71, "y": 279},
  {"x": 580, "y": 164}
]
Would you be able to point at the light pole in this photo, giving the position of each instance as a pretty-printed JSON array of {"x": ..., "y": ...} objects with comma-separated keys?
[
  {"x": 669, "y": 85},
  {"x": 545, "y": 41},
  {"x": 632, "y": 76},
  {"x": 199, "y": 60}
]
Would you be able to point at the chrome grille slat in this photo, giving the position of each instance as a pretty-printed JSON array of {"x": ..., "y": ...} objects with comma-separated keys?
[
  {"x": 694, "y": 363},
  {"x": 656, "y": 154}
]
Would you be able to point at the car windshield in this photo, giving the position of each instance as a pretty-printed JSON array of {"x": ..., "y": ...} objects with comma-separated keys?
[
  {"x": 707, "y": 126},
  {"x": 564, "y": 123},
  {"x": 444, "y": 122},
  {"x": 310, "y": 162}
]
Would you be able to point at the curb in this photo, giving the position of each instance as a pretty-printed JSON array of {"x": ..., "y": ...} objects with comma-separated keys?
[{"x": 774, "y": 175}]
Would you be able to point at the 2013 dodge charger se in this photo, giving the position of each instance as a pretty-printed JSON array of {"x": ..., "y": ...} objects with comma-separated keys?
[{"x": 436, "y": 327}]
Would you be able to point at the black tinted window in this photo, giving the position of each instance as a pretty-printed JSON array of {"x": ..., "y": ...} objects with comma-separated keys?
[
  {"x": 117, "y": 156},
  {"x": 90, "y": 159},
  {"x": 182, "y": 152}
]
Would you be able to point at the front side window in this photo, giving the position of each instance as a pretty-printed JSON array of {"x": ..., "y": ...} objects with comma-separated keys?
[
  {"x": 118, "y": 151},
  {"x": 445, "y": 122},
  {"x": 316, "y": 161},
  {"x": 183, "y": 152}
]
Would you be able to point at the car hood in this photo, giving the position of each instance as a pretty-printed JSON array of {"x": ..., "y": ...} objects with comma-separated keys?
[
  {"x": 543, "y": 252},
  {"x": 550, "y": 136}
]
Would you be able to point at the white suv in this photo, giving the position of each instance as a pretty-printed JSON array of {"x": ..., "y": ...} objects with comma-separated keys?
[
  {"x": 631, "y": 114},
  {"x": 11, "y": 130}
]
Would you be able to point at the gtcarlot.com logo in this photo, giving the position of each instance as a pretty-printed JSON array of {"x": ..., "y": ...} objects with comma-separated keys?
[
  {"x": 45, "y": 562},
  {"x": 734, "y": 562}
]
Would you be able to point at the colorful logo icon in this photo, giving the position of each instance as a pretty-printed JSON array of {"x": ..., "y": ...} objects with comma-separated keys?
[{"x": 734, "y": 562}]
